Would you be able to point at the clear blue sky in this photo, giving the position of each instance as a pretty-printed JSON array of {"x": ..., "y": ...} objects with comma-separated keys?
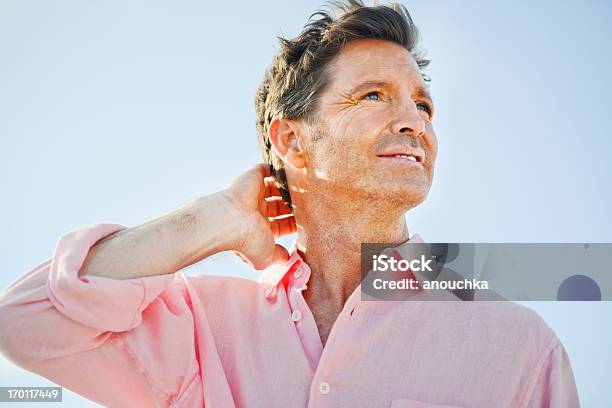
[{"x": 121, "y": 111}]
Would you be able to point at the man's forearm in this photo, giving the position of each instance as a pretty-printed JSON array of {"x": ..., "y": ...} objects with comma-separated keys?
[{"x": 166, "y": 244}]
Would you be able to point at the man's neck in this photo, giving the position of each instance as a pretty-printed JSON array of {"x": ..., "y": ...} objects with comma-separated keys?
[{"x": 330, "y": 235}]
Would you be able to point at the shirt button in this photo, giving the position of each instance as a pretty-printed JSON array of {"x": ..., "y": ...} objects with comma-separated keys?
[
  {"x": 297, "y": 273},
  {"x": 296, "y": 315},
  {"x": 324, "y": 388}
]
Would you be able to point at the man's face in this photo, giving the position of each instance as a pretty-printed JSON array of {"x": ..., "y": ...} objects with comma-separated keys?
[{"x": 374, "y": 112}]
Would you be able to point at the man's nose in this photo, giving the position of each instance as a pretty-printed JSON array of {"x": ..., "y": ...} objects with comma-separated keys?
[{"x": 408, "y": 122}]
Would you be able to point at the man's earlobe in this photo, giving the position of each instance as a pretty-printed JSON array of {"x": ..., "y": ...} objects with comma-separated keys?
[{"x": 285, "y": 142}]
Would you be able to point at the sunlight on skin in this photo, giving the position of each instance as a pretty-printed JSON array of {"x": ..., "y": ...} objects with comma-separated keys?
[
  {"x": 353, "y": 162},
  {"x": 321, "y": 174},
  {"x": 297, "y": 189},
  {"x": 376, "y": 102}
]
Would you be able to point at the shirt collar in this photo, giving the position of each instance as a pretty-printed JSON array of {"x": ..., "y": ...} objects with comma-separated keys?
[{"x": 297, "y": 268}]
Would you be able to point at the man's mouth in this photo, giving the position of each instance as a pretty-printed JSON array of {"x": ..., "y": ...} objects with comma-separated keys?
[
  {"x": 410, "y": 156},
  {"x": 404, "y": 156}
]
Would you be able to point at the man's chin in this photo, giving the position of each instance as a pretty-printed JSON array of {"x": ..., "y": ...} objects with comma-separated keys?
[{"x": 399, "y": 198}]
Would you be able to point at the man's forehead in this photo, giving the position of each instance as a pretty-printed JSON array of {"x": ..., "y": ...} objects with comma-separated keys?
[{"x": 369, "y": 61}]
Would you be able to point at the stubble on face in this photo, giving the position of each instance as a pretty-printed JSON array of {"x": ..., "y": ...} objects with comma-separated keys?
[
  {"x": 344, "y": 135},
  {"x": 336, "y": 173}
]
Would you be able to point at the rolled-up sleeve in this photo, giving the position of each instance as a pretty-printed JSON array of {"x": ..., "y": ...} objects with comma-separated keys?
[
  {"x": 103, "y": 303},
  {"x": 101, "y": 337}
]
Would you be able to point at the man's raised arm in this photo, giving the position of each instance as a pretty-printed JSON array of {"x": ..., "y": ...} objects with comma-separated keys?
[
  {"x": 218, "y": 222},
  {"x": 78, "y": 318}
]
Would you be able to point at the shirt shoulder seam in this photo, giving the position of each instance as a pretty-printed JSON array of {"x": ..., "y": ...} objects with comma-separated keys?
[{"x": 530, "y": 389}]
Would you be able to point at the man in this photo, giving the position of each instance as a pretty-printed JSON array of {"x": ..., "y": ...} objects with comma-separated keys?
[{"x": 345, "y": 124}]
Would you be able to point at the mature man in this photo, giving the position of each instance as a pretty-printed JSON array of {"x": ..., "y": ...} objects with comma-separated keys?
[{"x": 345, "y": 124}]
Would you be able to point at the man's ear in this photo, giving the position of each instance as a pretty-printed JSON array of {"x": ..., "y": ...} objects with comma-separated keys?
[{"x": 283, "y": 135}]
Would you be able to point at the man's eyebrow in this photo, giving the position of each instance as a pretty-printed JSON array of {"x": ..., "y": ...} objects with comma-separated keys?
[
  {"x": 423, "y": 92},
  {"x": 366, "y": 85},
  {"x": 420, "y": 90}
]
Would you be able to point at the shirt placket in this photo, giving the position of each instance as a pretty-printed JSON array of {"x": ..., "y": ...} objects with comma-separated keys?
[
  {"x": 321, "y": 393},
  {"x": 324, "y": 391},
  {"x": 301, "y": 315}
]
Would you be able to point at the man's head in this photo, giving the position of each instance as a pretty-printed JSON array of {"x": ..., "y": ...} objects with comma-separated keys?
[{"x": 343, "y": 105}]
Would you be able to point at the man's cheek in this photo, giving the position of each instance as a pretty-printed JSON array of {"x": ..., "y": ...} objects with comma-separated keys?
[{"x": 352, "y": 166}]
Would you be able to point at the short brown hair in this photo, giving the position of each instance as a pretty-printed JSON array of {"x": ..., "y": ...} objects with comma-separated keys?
[{"x": 297, "y": 75}]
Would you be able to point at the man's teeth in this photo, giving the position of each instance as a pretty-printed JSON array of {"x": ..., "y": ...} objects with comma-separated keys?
[{"x": 405, "y": 156}]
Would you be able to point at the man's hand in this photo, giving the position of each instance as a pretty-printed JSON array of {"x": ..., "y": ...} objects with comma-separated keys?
[{"x": 264, "y": 217}]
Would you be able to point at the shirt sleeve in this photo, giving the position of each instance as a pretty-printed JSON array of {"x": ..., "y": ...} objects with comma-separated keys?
[
  {"x": 555, "y": 385},
  {"x": 102, "y": 338}
]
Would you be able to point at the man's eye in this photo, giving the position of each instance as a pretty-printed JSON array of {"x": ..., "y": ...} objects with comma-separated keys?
[
  {"x": 372, "y": 96},
  {"x": 424, "y": 107}
]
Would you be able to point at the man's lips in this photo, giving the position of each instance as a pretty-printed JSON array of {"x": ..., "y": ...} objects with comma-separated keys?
[{"x": 408, "y": 155}]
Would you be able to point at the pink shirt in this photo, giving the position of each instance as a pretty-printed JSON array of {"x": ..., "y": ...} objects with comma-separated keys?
[{"x": 193, "y": 341}]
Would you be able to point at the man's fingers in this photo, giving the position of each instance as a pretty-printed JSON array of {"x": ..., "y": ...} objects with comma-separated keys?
[
  {"x": 277, "y": 207},
  {"x": 271, "y": 188},
  {"x": 283, "y": 226}
]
